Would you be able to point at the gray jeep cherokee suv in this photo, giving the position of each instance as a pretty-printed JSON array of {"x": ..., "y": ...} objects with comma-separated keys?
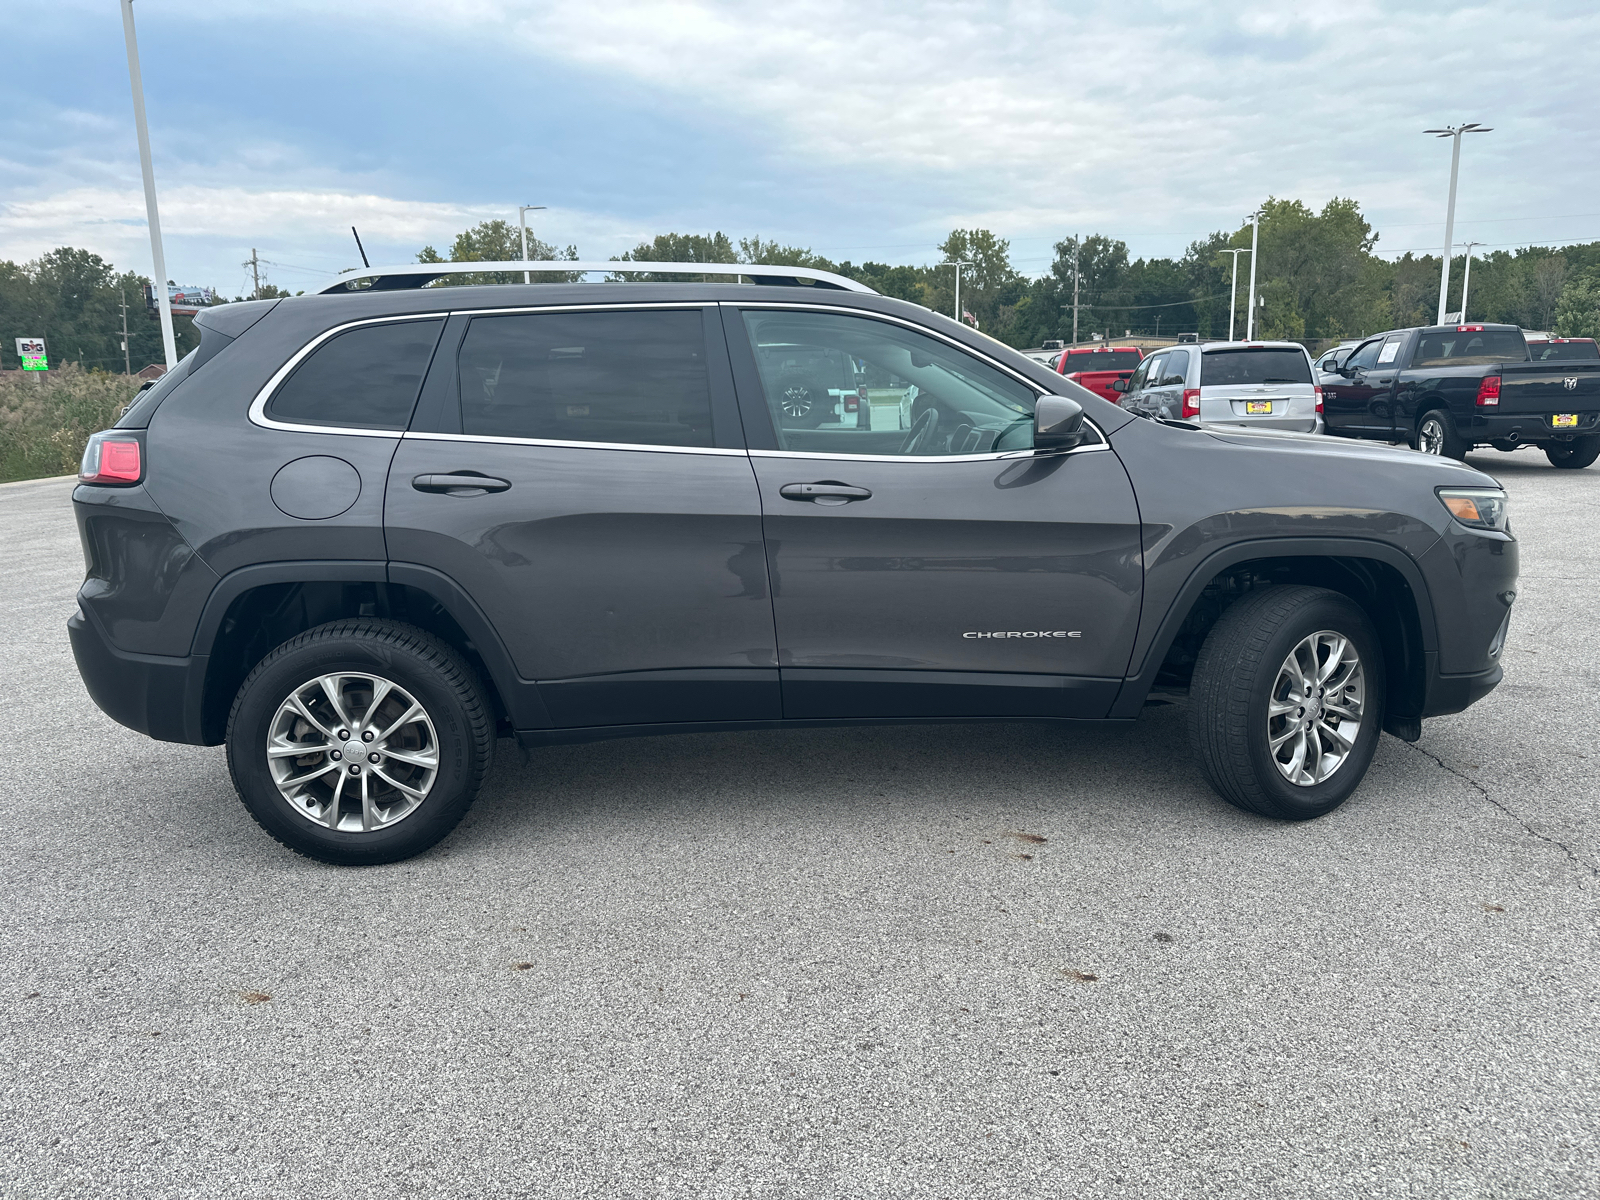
[{"x": 359, "y": 536}]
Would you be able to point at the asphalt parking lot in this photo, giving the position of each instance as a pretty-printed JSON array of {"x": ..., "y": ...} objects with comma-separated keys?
[{"x": 953, "y": 961}]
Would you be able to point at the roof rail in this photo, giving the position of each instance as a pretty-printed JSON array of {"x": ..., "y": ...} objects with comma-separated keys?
[{"x": 416, "y": 275}]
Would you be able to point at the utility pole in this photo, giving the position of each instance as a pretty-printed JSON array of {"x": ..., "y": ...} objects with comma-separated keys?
[
  {"x": 163, "y": 299},
  {"x": 1255, "y": 243},
  {"x": 957, "y": 266},
  {"x": 1454, "y": 132},
  {"x": 1233, "y": 291},
  {"x": 127, "y": 362},
  {"x": 254, "y": 264},
  {"x": 1466, "y": 278}
]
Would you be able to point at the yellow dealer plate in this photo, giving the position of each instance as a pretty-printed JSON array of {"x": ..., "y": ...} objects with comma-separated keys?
[
  {"x": 1258, "y": 406},
  {"x": 1561, "y": 419}
]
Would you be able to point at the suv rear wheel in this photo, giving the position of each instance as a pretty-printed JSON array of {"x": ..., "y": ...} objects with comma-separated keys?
[
  {"x": 360, "y": 742},
  {"x": 1574, "y": 455},
  {"x": 1286, "y": 703}
]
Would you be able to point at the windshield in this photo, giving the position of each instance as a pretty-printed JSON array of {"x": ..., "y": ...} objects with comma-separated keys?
[
  {"x": 1466, "y": 347},
  {"x": 1100, "y": 360},
  {"x": 1231, "y": 368},
  {"x": 1576, "y": 348}
]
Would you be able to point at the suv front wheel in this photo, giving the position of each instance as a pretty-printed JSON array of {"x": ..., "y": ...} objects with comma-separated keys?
[
  {"x": 360, "y": 742},
  {"x": 1286, "y": 702}
]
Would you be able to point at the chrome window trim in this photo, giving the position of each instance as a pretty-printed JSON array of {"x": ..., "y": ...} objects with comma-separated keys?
[
  {"x": 258, "y": 406},
  {"x": 929, "y": 458},
  {"x": 494, "y": 439}
]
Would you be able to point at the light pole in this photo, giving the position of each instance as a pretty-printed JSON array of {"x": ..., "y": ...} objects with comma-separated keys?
[
  {"x": 1255, "y": 243},
  {"x": 1466, "y": 278},
  {"x": 957, "y": 265},
  {"x": 1077, "y": 250},
  {"x": 163, "y": 300},
  {"x": 1453, "y": 132},
  {"x": 522, "y": 220},
  {"x": 1233, "y": 292}
]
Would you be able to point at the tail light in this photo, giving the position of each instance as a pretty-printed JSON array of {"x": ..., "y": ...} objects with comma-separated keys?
[
  {"x": 852, "y": 401},
  {"x": 112, "y": 457},
  {"x": 1191, "y": 402},
  {"x": 1317, "y": 392},
  {"x": 1489, "y": 391}
]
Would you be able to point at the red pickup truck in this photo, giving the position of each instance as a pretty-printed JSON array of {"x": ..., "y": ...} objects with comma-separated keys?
[{"x": 1098, "y": 367}]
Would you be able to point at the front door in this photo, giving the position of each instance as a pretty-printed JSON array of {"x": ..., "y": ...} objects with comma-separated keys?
[
  {"x": 581, "y": 474},
  {"x": 924, "y": 563},
  {"x": 1358, "y": 404}
]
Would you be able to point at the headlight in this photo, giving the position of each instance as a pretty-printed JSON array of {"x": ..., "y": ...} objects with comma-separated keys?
[{"x": 1478, "y": 508}]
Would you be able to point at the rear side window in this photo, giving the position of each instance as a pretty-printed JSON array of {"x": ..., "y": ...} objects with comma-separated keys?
[
  {"x": 1270, "y": 364},
  {"x": 1175, "y": 370},
  {"x": 364, "y": 378},
  {"x": 623, "y": 377},
  {"x": 1452, "y": 348},
  {"x": 1576, "y": 348}
]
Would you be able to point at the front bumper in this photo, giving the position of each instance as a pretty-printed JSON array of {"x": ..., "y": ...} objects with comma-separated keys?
[{"x": 153, "y": 694}]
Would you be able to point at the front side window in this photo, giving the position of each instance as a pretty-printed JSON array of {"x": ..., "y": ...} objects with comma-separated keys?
[
  {"x": 1264, "y": 365},
  {"x": 364, "y": 378},
  {"x": 852, "y": 385},
  {"x": 1154, "y": 374},
  {"x": 619, "y": 377},
  {"x": 1140, "y": 374}
]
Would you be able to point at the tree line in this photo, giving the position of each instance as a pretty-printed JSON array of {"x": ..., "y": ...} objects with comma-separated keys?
[{"x": 1319, "y": 277}]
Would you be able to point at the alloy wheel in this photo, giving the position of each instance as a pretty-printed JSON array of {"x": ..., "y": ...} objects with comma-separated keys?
[
  {"x": 352, "y": 752},
  {"x": 1317, "y": 708},
  {"x": 1430, "y": 437},
  {"x": 797, "y": 401}
]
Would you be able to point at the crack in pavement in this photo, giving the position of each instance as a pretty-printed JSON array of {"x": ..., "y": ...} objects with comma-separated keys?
[{"x": 1484, "y": 792}]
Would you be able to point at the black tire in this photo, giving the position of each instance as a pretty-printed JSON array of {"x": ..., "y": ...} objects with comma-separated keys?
[
  {"x": 1234, "y": 679},
  {"x": 434, "y": 675},
  {"x": 1574, "y": 455},
  {"x": 1450, "y": 443}
]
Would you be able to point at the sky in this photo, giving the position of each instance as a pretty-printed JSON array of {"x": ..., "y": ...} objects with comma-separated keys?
[{"x": 864, "y": 130}]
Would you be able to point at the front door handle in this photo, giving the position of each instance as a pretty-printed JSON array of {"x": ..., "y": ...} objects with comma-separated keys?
[
  {"x": 461, "y": 483},
  {"x": 828, "y": 491}
]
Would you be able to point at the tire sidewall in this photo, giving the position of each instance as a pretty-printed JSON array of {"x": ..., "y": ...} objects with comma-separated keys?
[
  {"x": 267, "y": 688},
  {"x": 1341, "y": 615}
]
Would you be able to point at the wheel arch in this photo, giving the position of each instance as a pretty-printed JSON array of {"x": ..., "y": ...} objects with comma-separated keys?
[
  {"x": 256, "y": 608},
  {"x": 1384, "y": 581}
]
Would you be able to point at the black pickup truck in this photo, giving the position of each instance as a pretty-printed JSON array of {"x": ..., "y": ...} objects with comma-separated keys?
[{"x": 1447, "y": 388}]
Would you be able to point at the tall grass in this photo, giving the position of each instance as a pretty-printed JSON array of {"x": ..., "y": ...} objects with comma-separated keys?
[{"x": 44, "y": 422}]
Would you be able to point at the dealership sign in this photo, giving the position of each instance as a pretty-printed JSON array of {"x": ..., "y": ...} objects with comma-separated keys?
[
  {"x": 31, "y": 351},
  {"x": 184, "y": 300}
]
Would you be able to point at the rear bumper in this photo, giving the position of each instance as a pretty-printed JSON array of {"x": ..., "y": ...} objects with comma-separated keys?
[
  {"x": 1532, "y": 428},
  {"x": 1285, "y": 424},
  {"x": 152, "y": 694}
]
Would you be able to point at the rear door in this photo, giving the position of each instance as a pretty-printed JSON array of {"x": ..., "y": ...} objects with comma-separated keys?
[
  {"x": 1165, "y": 384},
  {"x": 924, "y": 562},
  {"x": 581, "y": 474}
]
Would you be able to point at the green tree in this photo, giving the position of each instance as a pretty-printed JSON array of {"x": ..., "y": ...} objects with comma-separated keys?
[
  {"x": 498, "y": 241},
  {"x": 1578, "y": 310}
]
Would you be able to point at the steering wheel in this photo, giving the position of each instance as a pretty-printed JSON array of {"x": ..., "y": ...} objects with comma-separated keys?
[{"x": 921, "y": 430}]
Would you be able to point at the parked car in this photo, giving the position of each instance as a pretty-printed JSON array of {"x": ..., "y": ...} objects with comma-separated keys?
[
  {"x": 1262, "y": 385},
  {"x": 359, "y": 536},
  {"x": 1330, "y": 362},
  {"x": 1097, "y": 367},
  {"x": 1447, "y": 388}
]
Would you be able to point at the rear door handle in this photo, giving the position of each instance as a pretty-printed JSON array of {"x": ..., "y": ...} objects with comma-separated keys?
[
  {"x": 461, "y": 483},
  {"x": 826, "y": 492}
]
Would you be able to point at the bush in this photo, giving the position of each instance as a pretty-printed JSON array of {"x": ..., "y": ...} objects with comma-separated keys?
[{"x": 45, "y": 421}]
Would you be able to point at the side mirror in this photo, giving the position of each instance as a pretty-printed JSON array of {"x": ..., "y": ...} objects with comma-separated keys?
[
  {"x": 1057, "y": 423},
  {"x": 1119, "y": 385}
]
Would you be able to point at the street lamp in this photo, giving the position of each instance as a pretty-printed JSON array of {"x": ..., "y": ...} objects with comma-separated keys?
[
  {"x": 1233, "y": 292},
  {"x": 1454, "y": 132},
  {"x": 1255, "y": 242},
  {"x": 163, "y": 300},
  {"x": 957, "y": 266},
  {"x": 522, "y": 220},
  {"x": 1466, "y": 278}
]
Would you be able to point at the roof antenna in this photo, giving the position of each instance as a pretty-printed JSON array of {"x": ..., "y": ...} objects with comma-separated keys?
[{"x": 359, "y": 246}]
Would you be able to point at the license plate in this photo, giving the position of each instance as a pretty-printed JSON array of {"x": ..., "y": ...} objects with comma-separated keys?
[
  {"x": 1561, "y": 419},
  {"x": 1258, "y": 406}
]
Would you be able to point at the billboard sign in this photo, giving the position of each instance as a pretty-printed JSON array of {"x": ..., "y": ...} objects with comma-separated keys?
[
  {"x": 185, "y": 301},
  {"x": 31, "y": 351}
]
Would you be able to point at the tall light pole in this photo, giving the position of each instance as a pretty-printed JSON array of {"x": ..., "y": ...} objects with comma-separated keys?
[
  {"x": 163, "y": 300},
  {"x": 957, "y": 266},
  {"x": 1453, "y": 132},
  {"x": 1255, "y": 243},
  {"x": 1233, "y": 292},
  {"x": 1466, "y": 278},
  {"x": 1077, "y": 251},
  {"x": 522, "y": 219}
]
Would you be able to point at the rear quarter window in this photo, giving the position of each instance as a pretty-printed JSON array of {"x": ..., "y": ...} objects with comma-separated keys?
[
  {"x": 1269, "y": 364},
  {"x": 364, "y": 378},
  {"x": 1577, "y": 348}
]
